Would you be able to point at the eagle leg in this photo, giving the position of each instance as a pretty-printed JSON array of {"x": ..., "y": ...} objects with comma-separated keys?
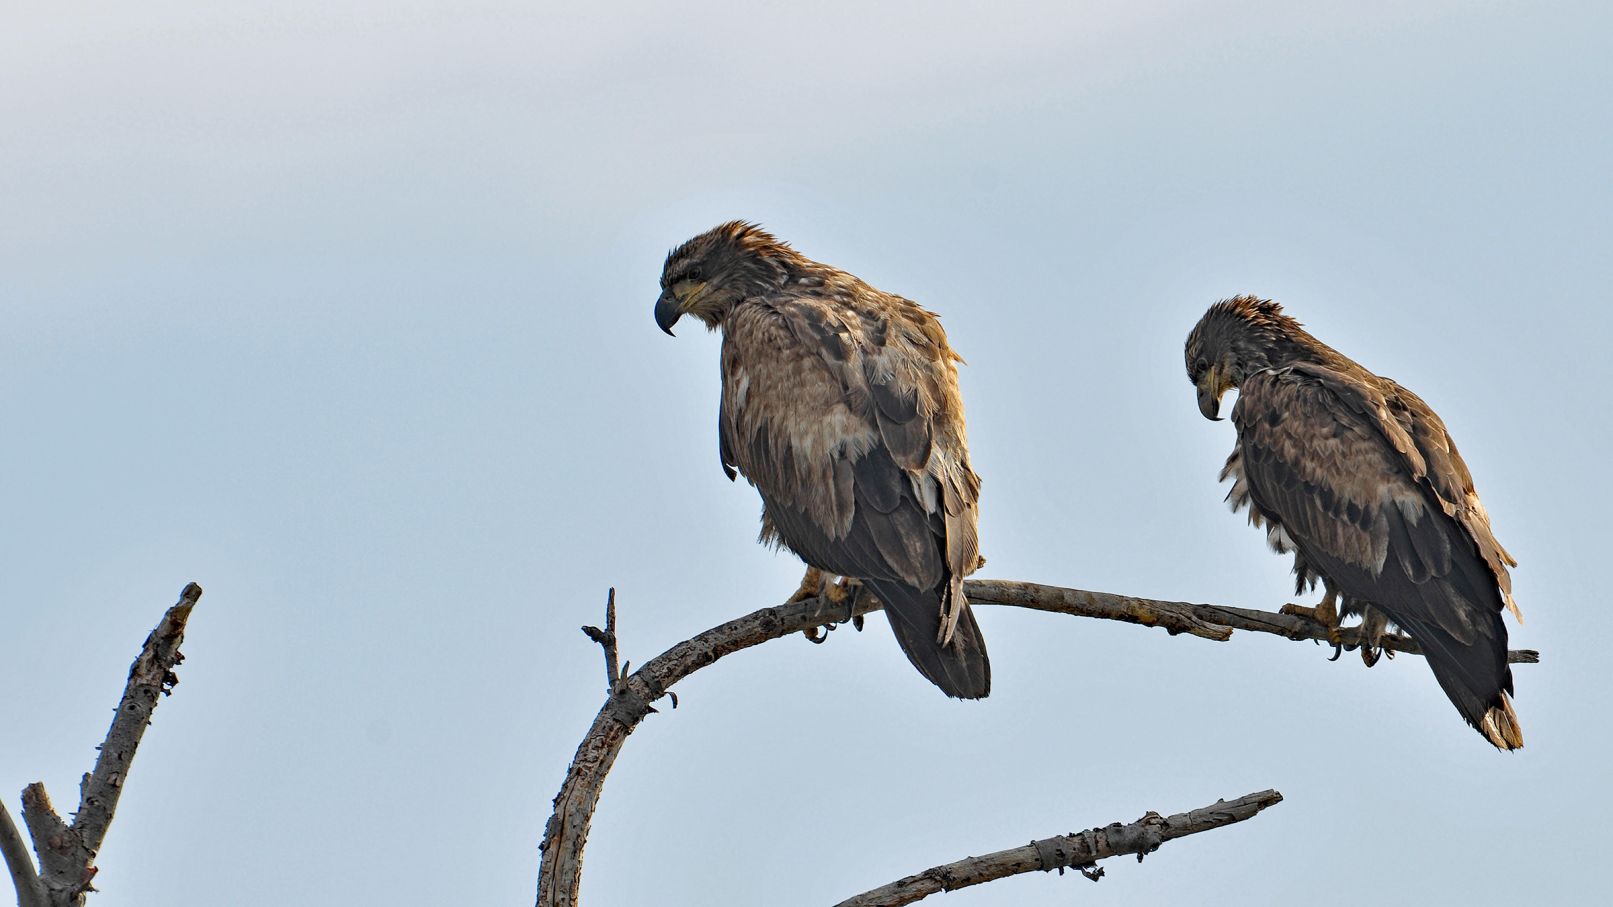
[
  {"x": 1326, "y": 614},
  {"x": 1373, "y": 625},
  {"x": 811, "y": 586},
  {"x": 844, "y": 593},
  {"x": 839, "y": 594}
]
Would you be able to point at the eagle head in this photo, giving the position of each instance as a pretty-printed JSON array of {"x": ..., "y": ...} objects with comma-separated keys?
[
  {"x": 1236, "y": 338},
  {"x": 708, "y": 275}
]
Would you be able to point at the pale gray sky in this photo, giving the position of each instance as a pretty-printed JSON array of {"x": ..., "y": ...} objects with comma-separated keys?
[{"x": 346, "y": 316}]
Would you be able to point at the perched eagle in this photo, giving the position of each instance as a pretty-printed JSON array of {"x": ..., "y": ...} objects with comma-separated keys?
[
  {"x": 1358, "y": 477},
  {"x": 840, "y": 403}
]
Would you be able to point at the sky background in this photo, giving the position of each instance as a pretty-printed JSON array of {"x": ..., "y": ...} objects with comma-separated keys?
[{"x": 345, "y": 314}]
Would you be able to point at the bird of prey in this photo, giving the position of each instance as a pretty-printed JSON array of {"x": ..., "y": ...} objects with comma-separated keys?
[
  {"x": 840, "y": 404},
  {"x": 1358, "y": 477}
]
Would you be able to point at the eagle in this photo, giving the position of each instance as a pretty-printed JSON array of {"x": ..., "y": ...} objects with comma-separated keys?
[
  {"x": 1359, "y": 479},
  {"x": 840, "y": 404}
]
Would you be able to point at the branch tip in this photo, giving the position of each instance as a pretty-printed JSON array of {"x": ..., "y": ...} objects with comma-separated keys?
[{"x": 1080, "y": 851}]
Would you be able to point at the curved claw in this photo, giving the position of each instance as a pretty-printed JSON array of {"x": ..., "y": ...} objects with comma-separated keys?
[
  {"x": 818, "y": 635},
  {"x": 1338, "y": 649}
]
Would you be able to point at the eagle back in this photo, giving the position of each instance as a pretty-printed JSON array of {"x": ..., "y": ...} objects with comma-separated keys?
[{"x": 1341, "y": 461}]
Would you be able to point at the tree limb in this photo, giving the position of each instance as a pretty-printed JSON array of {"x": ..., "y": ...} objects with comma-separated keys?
[
  {"x": 631, "y": 698},
  {"x": 67, "y": 852},
  {"x": 1204, "y": 621},
  {"x": 1078, "y": 850},
  {"x": 30, "y": 890}
]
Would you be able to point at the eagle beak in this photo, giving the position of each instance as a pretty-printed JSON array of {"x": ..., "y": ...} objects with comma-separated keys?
[
  {"x": 1210, "y": 390},
  {"x": 667, "y": 312}
]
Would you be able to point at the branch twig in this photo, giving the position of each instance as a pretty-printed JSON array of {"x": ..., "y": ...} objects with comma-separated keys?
[
  {"x": 632, "y": 695},
  {"x": 67, "y": 852},
  {"x": 607, "y": 641},
  {"x": 1079, "y": 850}
]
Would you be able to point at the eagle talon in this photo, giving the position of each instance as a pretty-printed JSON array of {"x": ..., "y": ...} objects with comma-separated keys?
[
  {"x": 844, "y": 592},
  {"x": 818, "y": 635}
]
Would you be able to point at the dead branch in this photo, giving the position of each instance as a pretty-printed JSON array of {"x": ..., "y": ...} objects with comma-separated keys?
[
  {"x": 67, "y": 851},
  {"x": 1078, "y": 850},
  {"x": 1204, "y": 621},
  {"x": 607, "y": 641},
  {"x": 631, "y": 696},
  {"x": 30, "y": 890}
]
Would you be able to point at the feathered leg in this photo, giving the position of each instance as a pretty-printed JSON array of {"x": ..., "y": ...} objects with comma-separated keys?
[
  {"x": 839, "y": 594},
  {"x": 811, "y": 586},
  {"x": 1374, "y": 624}
]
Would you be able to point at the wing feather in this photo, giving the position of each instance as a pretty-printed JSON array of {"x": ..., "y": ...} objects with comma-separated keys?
[
  {"x": 840, "y": 405},
  {"x": 1322, "y": 456}
]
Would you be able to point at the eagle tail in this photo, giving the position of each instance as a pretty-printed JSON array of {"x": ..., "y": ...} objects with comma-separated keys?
[
  {"x": 1500, "y": 725},
  {"x": 1476, "y": 678},
  {"x": 959, "y": 667}
]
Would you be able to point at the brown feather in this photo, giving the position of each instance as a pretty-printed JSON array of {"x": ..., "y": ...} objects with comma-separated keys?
[
  {"x": 1358, "y": 477},
  {"x": 840, "y": 405}
]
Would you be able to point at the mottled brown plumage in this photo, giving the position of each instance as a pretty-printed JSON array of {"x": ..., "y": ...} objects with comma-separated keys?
[
  {"x": 1358, "y": 477},
  {"x": 840, "y": 403}
]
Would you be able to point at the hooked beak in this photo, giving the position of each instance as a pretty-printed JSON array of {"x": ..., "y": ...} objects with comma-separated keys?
[
  {"x": 1211, "y": 386},
  {"x": 667, "y": 311}
]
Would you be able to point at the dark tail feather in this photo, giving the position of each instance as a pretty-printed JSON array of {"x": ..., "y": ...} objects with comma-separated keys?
[
  {"x": 1476, "y": 678},
  {"x": 960, "y": 668}
]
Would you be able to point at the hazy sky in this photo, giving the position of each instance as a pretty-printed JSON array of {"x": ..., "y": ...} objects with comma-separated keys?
[{"x": 345, "y": 315}]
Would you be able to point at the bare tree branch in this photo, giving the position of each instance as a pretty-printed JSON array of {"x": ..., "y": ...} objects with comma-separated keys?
[
  {"x": 1204, "y": 621},
  {"x": 67, "y": 852},
  {"x": 30, "y": 890},
  {"x": 631, "y": 697},
  {"x": 1078, "y": 850},
  {"x": 607, "y": 641}
]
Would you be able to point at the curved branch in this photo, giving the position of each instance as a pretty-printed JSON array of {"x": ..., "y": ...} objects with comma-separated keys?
[
  {"x": 30, "y": 891},
  {"x": 631, "y": 696},
  {"x": 628, "y": 704},
  {"x": 1078, "y": 850}
]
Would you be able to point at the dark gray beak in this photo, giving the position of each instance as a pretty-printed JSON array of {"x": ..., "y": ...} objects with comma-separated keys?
[
  {"x": 1211, "y": 386},
  {"x": 667, "y": 312}
]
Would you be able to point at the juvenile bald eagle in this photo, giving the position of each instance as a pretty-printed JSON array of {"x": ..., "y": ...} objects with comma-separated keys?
[
  {"x": 1358, "y": 477},
  {"x": 840, "y": 404}
]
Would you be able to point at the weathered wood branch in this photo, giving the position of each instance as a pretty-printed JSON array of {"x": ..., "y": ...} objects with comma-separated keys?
[
  {"x": 30, "y": 890},
  {"x": 632, "y": 695},
  {"x": 67, "y": 851},
  {"x": 1078, "y": 850},
  {"x": 629, "y": 702},
  {"x": 1204, "y": 621}
]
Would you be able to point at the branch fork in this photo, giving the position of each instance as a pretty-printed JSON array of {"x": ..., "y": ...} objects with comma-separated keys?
[{"x": 67, "y": 851}]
